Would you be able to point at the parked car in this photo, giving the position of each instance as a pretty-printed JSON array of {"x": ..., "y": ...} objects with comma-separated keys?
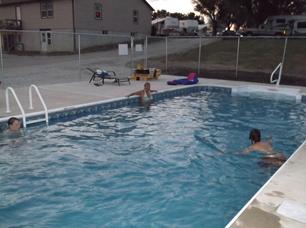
[{"x": 230, "y": 33}]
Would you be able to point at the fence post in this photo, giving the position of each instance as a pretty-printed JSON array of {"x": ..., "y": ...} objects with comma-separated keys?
[
  {"x": 199, "y": 59},
  {"x": 146, "y": 52},
  {"x": 79, "y": 53},
  {"x": 282, "y": 63},
  {"x": 285, "y": 50},
  {"x": 237, "y": 57},
  {"x": 132, "y": 52},
  {"x": 1, "y": 55},
  {"x": 166, "y": 54}
]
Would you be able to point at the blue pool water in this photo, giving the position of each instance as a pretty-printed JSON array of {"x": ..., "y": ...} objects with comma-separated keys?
[{"x": 177, "y": 164}]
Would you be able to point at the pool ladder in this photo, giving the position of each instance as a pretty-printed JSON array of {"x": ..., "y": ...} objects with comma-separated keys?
[
  {"x": 25, "y": 122},
  {"x": 279, "y": 68}
]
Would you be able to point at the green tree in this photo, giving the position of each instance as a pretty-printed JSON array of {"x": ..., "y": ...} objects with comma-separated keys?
[
  {"x": 160, "y": 14},
  {"x": 249, "y": 12},
  {"x": 211, "y": 9},
  {"x": 193, "y": 16},
  {"x": 180, "y": 16},
  {"x": 261, "y": 9}
]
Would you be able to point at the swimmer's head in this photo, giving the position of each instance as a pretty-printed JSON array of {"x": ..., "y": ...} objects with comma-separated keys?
[
  {"x": 255, "y": 135},
  {"x": 13, "y": 124},
  {"x": 147, "y": 86}
]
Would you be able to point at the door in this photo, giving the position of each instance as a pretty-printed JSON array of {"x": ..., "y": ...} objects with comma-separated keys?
[{"x": 45, "y": 40}]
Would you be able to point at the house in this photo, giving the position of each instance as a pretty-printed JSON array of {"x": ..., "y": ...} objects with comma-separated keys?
[{"x": 57, "y": 20}]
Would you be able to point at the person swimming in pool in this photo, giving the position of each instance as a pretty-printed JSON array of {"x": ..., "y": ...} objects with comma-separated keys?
[
  {"x": 145, "y": 96},
  {"x": 13, "y": 124},
  {"x": 265, "y": 147}
]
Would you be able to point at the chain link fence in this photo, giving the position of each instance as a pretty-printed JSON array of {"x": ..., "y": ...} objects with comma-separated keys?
[{"x": 45, "y": 57}]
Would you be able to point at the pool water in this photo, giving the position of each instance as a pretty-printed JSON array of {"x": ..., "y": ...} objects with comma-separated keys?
[{"x": 175, "y": 164}]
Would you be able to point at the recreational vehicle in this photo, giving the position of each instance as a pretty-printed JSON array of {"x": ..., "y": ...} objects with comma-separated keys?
[
  {"x": 296, "y": 28},
  {"x": 189, "y": 27},
  {"x": 165, "y": 26},
  {"x": 274, "y": 25}
]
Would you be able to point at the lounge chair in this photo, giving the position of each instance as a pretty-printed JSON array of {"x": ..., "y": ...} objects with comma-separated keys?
[
  {"x": 98, "y": 77},
  {"x": 191, "y": 79}
]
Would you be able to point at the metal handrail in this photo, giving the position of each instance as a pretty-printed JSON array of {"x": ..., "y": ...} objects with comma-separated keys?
[
  {"x": 280, "y": 68},
  {"x": 41, "y": 100},
  {"x": 8, "y": 110}
]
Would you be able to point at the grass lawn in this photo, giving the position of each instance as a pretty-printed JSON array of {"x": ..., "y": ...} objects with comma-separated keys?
[{"x": 257, "y": 57}]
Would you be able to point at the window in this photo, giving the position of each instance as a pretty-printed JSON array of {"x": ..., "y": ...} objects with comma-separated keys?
[
  {"x": 301, "y": 25},
  {"x": 49, "y": 39},
  {"x": 98, "y": 11},
  {"x": 46, "y": 8},
  {"x": 135, "y": 16},
  {"x": 280, "y": 21},
  {"x": 268, "y": 22}
]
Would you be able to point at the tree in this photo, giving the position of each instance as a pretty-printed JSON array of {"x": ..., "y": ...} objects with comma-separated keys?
[
  {"x": 209, "y": 8},
  {"x": 180, "y": 16},
  {"x": 249, "y": 12},
  {"x": 261, "y": 9},
  {"x": 193, "y": 16},
  {"x": 160, "y": 14}
]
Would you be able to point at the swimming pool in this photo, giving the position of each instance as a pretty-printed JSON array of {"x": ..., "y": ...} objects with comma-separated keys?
[{"x": 176, "y": 164}]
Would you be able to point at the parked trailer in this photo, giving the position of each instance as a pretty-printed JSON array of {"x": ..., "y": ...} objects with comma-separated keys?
[
  {"x": 296, "y": 28},
  {"x": 165, "y": 26},
  {"x": 189, "y": 27},
  {"x": 275, "y": 25}
]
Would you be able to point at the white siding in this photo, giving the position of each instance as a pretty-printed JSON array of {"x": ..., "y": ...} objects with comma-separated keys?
[{"x": 117, "y": 16}]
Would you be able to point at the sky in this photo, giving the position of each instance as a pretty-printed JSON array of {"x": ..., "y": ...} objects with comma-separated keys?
[{"x": 172, "y": 6}]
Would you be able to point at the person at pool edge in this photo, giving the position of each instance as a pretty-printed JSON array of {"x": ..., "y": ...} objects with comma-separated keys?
[
  {"x": 145, "y": 94},
  {"x": 264, "y": 147},
  {"x": 13, "y": 124}
]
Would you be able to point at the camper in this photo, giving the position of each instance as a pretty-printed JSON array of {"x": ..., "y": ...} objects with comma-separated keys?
[
  {"x": 203, "y": 30},
  {"x": 188, "y": 27},
  {"x": 274, "y": 25},
  {"x": 165, "y": 26},
  {"x": 296, "y": 28}
]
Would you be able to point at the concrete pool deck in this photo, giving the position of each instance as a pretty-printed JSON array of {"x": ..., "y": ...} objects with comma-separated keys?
[
  {"x": 287, "y": 184},
  {"x": 76, "y": 93}
]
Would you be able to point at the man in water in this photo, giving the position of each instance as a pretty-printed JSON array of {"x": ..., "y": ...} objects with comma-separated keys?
[
  {"x": 265, "y": 147},
  {"x": 13, "y": 125},
  {"x": 145, "y": 96}
]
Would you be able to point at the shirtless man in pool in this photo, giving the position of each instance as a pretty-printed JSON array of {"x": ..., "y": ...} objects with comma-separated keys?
[{"x": 265, "y": 147}]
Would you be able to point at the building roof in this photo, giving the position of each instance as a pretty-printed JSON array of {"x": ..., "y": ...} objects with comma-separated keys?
[
  {"x": 149, "y": 5},
  {"x": 12, "y": 2}
]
